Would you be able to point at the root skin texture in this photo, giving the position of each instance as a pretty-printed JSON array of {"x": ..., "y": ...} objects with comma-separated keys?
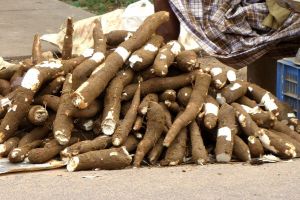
[
  {"x": 37, "y": 133},
  {"x": 8, "y": 145},
  {"x": 184, "y": 95},
  {"x": 155, "y": 127},
  {"x": 219, "y": 77},
  {"x": 281, "y": 127},
  {"x": 176, "y": 151},
  {"x": 166, "y": 57},
  {"x": 5, "y": 88},
  {"x": 63, "y": 123},
  {"x": 68, "y": 41},
  {"x": 156, "y": 152},
  {"x": 199, "y": 153},
  {"x": 107, "y": 159},
  {"x": 97, "y": 82},
  {"x": 16, "y": 112},
  {"x": 116, "y": 37},
  {"x": 232, "y": 92},
  {"x": 211, "y": 112},
  {"x": 49, "y": 151},
  {"x": 144, "y": 57},
  {"x": 131, "y": 143},
  {"x": 100, "y": 142},
  {"x": 82, "y": 72},
  {"x": 143, "y": 107},
  {"x": 278, "y": 145},
  {"x": 156, "y": 85},
  {"x": 112, "y": 101},
  {"x": 248, "y": 126},
  {"x": 52, "y": 102},
  {"x": 125, "y": 126},
  {"x": 265, "y": 98},
  {"x": 241, "y": 149},
  {"x": 227, "y": 128},
  {"x": 187, "y": 61},
  {"x": 194, "y": 106},
  {"x": 255, "y": 147},
  {"x": 19, "y": 154},
  {"x": 168, "y": 95}
]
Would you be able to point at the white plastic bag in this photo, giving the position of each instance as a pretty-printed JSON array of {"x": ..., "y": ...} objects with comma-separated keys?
[{"x": 136, "y": 13}]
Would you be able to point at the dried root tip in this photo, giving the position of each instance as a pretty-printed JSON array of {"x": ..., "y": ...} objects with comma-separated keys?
[
  {"x": 36, "y": 50},
  {"x": 37, "y": 115},
  {"x": 138, "y": 124},
  {"x": 107, "y": 159},
  {"x": 68, "y": 40}
]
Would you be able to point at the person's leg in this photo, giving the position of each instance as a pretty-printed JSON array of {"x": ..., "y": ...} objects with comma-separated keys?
[{"x": 170, "y": 30}]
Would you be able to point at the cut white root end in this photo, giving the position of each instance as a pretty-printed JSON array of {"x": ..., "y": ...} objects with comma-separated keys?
[
  {"x": 144, "y": 110},
  {"x": 216, "y": 71},
  {"x": 61, "y": 138},
  {"x": 108, "y": 126},
  {"x": 2, "y": 148},
  {"x": 231, "y": 76},
  {"x": 41, "y": 115},
  {"x": 251, "y": 139},
  {"x": 220, "y": 99},
  {"x": 116, "y": 142},
  {"x": 223, "y": 157},
  {"x": 225, "y": 132},
  {"x": 73, "y": 163}
]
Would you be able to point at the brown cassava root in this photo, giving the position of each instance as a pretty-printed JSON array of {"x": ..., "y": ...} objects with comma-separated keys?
[
  {"x": 112, "y": 101},
  {"x": 194, "y": 106},
  {"x": 155, "y": 127},
  {"x": 109, "y": 159},
  {"x": 95, "y": 85}
]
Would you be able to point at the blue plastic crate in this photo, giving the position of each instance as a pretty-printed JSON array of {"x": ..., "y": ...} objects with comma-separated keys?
[{"x": 288, "y": 83}]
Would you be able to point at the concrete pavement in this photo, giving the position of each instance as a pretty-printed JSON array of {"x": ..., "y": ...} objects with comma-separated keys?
[
  {"x": 21, "y": 19},
  {"x": 218, "y": 181}
]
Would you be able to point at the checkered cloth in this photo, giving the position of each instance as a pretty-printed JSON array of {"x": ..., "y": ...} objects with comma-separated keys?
[{"x": 232, "y": 30}]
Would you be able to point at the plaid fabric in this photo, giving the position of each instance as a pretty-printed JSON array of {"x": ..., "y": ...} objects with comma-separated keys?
[{"x": 232, "y": 30}]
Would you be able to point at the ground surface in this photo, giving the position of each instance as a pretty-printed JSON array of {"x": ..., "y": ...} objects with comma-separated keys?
[
  {"x": 230, "y": 181},
  {"x": 20, "y": 20}
]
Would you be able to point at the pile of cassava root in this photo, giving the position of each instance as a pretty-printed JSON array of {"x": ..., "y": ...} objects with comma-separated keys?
[{"x": 134, "y": 99}]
